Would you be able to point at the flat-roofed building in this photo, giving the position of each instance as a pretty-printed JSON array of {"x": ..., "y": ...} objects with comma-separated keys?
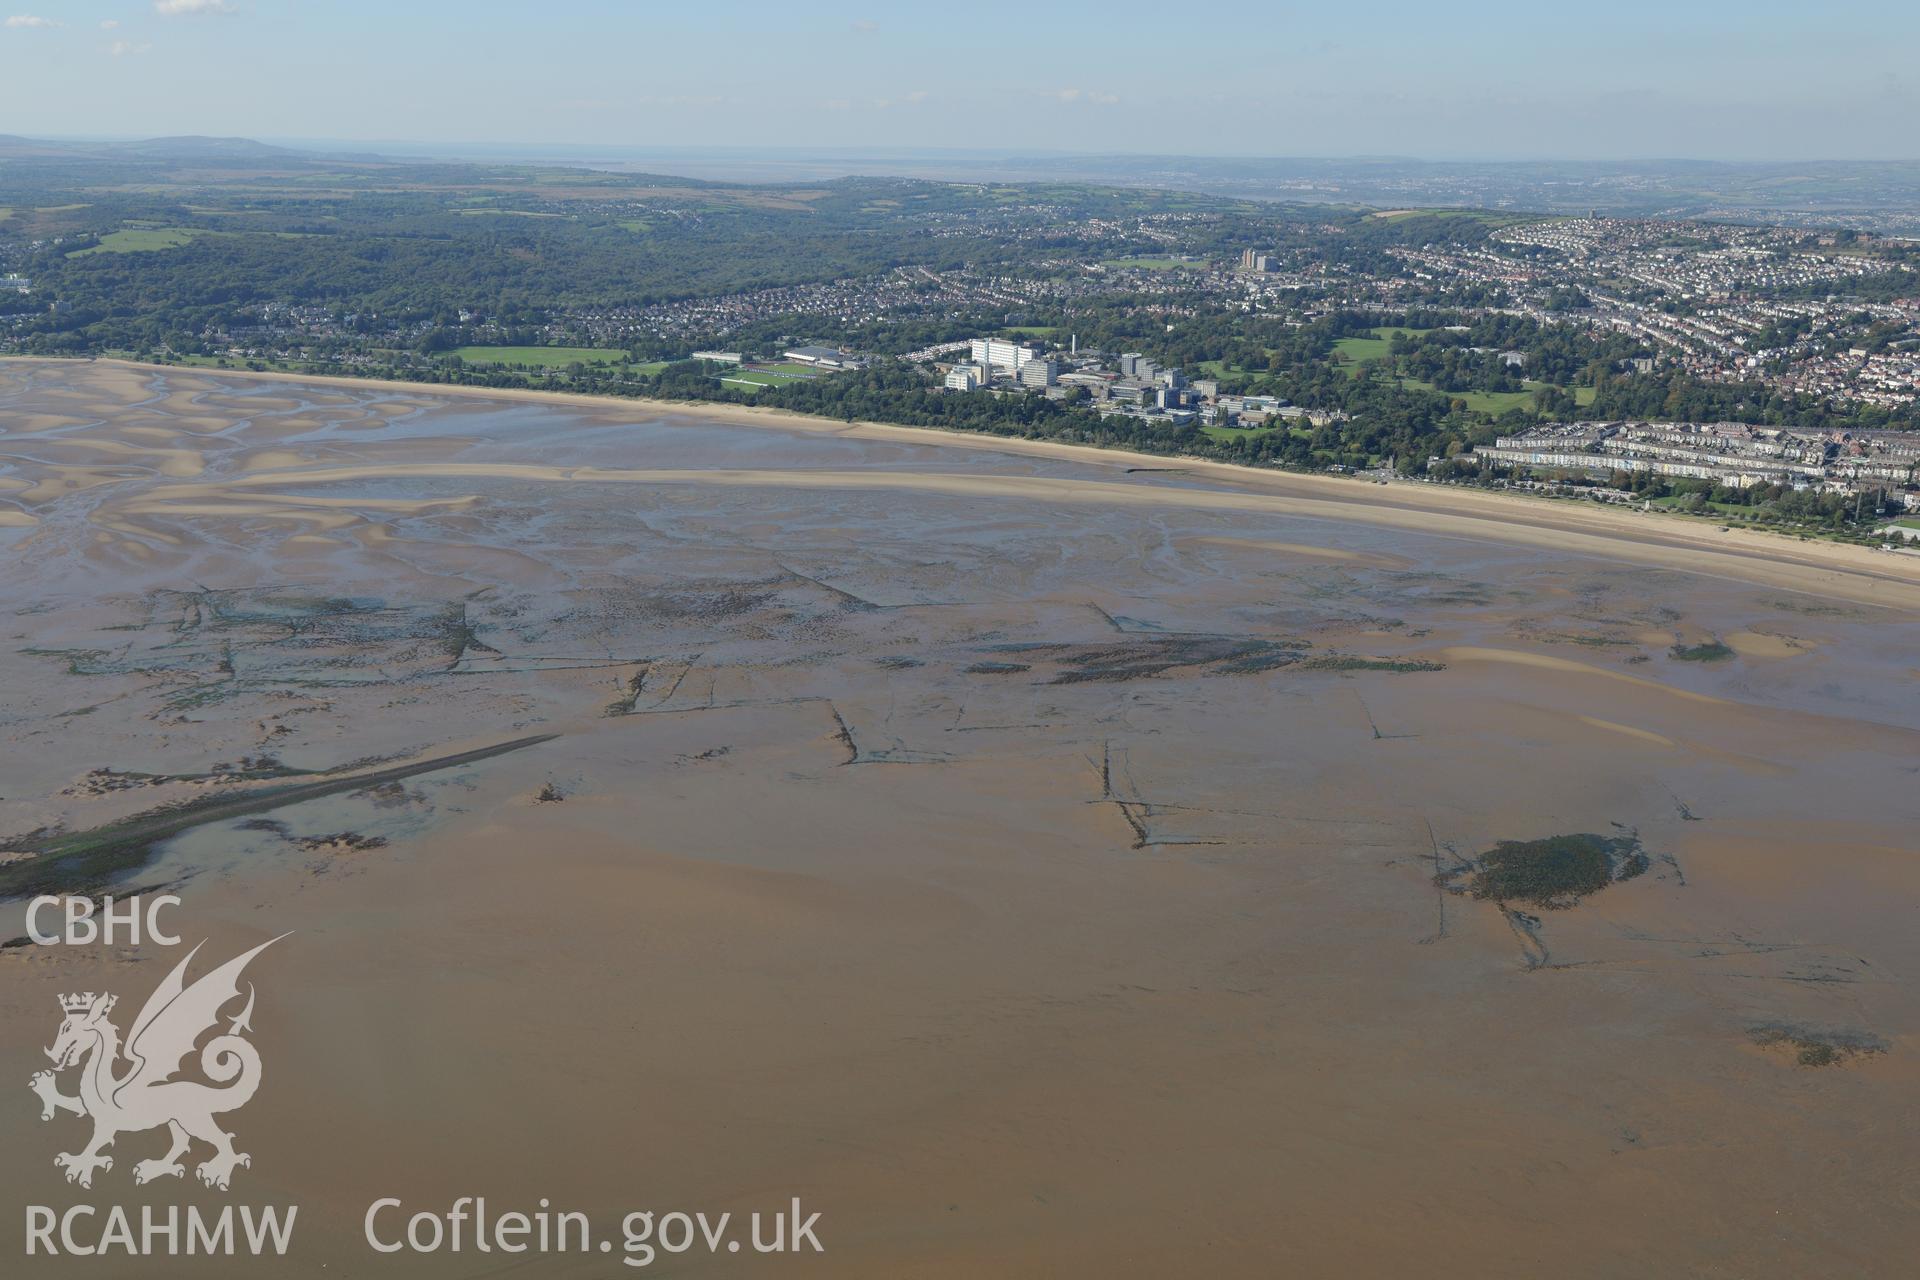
[
  {"x": 1038, "y": 373},
  {"x": 1001, "y": 353},
  {"x": 824, "y": 357}
]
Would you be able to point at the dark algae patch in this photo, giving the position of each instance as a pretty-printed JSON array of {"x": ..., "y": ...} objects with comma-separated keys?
[
  {"x": 1711, "y": 651},
  {"x": 1347, "y": 662},
  {"x": 1144, "y": 657},
  {"x": 1815, "y": 1048},
  {"x": 1555, "y": 872}
]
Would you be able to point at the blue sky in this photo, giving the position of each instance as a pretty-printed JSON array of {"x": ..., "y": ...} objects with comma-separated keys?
[{"x": 1466, "y": 80}]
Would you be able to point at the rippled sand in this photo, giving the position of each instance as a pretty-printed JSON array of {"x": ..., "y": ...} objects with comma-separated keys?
[{"x": 1041, "y": 862}]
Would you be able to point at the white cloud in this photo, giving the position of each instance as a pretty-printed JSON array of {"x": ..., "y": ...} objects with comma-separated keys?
[
  {"x": 121, "y": 48},
  {"x": 918, "y": 95},
  {"x": 1093, "y": 96},
  {"x": 176, "y": 8},
  {"x": 684, "y": 100},
  {"x": 108, "y": 24},
  {"x": 30, "y": 20}
]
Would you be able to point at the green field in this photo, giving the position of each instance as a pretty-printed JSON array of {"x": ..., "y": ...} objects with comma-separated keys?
[
  {"x": 1229, "y": 433},
  {"x": 1724, "y": 508},
  {"x": 1356, "y": 351},
  {"x": 1151, "y": 264},
  {"x": 784, "y": 366},
  {"x": 544, "y": 357},
  {"x": 1498, "y": 402},
  {"x": 1493, "y": 402},
  {"x": 1031, "y": 330},
  {"x": 1359, "y": 350},
  {"x": 1374, "y": 348},
  {"x": 139, "y": 240},
  {"x": 1468, "y": 215}
]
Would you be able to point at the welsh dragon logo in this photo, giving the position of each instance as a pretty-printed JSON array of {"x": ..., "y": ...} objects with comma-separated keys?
[{"x": 145, "y": 1094}]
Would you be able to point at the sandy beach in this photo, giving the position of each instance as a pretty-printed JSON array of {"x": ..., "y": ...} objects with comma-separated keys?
[
  {"x": 1651, "y": 538},
  {"x": 1039, "y": 860}
]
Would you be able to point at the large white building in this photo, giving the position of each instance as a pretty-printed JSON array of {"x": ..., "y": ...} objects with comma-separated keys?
[
  {"x": 1038, "y": 372},
  {"x": 1000, "y": 353},
  {"x": 824, "y": 357}
]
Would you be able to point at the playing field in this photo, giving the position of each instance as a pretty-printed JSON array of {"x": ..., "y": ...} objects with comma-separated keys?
[
  {"x": 1358, "y": 350},
  {"x": 1498, "y": 402},
  {"x": 139, "y": 240},
  {"x": 1227, "y": 433},
  {"x": 1150, "y": 264},
  {"x": 541, "y": 357},
  {"x": 1377, "y": 347}
]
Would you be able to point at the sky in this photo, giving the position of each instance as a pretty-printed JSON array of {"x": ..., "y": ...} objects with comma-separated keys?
[{"x": 1626, "y": 79}]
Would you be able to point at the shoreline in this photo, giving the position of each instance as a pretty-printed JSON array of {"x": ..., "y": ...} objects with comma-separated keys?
[{"x": 1859, "y": 574}]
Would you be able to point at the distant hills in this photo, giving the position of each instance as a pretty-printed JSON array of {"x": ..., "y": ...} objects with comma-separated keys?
[
  {"x": 1879, "y": 196},
  {"x": 180, "y": 148}
]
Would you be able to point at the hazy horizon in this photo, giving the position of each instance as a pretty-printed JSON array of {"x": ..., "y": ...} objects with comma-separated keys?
[
  {"x": 565, "y": 150},
  {"x": 1220, "y": 79}
]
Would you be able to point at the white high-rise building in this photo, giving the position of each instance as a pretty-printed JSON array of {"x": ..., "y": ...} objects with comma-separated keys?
[
  {"x": 1038, "y": 372},
  {"x": 992, "y": 353}
]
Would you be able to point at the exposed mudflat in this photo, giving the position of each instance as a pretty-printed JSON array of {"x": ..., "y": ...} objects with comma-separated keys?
[{"x": 1041, "y": 867}]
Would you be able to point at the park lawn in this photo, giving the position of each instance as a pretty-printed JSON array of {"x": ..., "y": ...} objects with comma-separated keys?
[
  {"x": 1358, "y": 350},
  {"x": 139, "y": 240},
  {"x": 1907, "y": 523},
  {"x": 217, "y": 362},
  {"x": 648, "y": 368},
  {"x": 1150, "y": 264},
  {"x": 1498, "y": 402},
  {"x": 785, "y": 366},
  {"x": 1031, "y": 330},
  {"x": 746, "y": 383},
  {"x": 1374, "y": 348},
  {"x": 1228, "y": 433},
  {"x": 545, "y": 357},
  {"x": 1490, "y": 219},
  {"x": 1724, "y": 508}
]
